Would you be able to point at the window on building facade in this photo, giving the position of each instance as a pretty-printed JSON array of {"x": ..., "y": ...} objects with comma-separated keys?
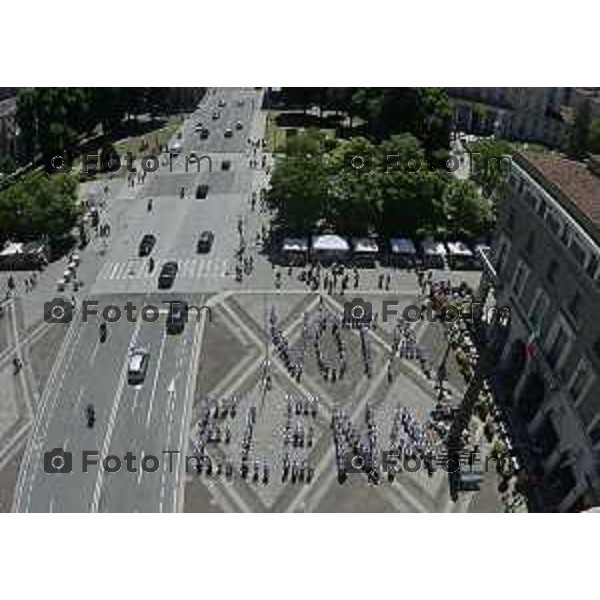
[
  {"x": 557, "y": 347},
  {"x": 520, "y": 278},
  {"x": 542, "y": 208},
  {"x": 510, "y": 223},
  {"x": 538, "y": 308},
  {"x": 574, "y": 306},
  {"x": 553, "y": 223},
  {"x": 580, "y": 380},
  {"x": 552, "y": 271},
  {"x": 578, "y": 252},
  {"x": 595, "y": 433},
  {"x": 502, "y": 255},
  {"x": 592, "y": 266},
  {"x": 530, "y": 244}
]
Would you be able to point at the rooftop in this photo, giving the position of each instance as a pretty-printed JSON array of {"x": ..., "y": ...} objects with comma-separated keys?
[{"x": 575, "y": 180}]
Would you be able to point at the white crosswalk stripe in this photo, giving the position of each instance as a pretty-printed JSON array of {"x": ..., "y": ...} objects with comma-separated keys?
[{"x": 135, "y": 269}]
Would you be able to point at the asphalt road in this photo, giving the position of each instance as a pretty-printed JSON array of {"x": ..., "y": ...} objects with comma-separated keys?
[{"x": 151, "y": 418}]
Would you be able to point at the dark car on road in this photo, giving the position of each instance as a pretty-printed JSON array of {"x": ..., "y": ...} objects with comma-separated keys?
[
  {"x": 216, "y": 114},
  {"x": 201, "y": 191},
  {"x": 205, "y": 242},
  {"x": 147, "y": 244},
  {"x": 177, "y": 317},
  {"x": 225, "y": 165},
  {"x": 167, "y": 275},
  {"x": 228, "y": 133},
  {"x": 204, "y": 134}
]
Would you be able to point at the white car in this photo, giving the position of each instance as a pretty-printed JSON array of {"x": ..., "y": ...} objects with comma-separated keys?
[
  {"x": 175, "y": 148},
  {"x": 137, "y": 365}
]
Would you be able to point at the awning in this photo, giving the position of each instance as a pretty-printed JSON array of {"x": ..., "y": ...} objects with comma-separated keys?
[
  {"x": 365, "y": 245},
  {"x": 431, "y": 247},
  {"x": 295, "y": 244},
  {"x": 330, "y": 243},
  {"x": 402, "y": 246},
  {"x": 459, "y": 249}
]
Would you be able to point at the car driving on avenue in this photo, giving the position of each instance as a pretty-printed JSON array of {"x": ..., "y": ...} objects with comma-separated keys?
[
  {"x": 167, "y": 275},
  {"x": 137, "y": 365}
]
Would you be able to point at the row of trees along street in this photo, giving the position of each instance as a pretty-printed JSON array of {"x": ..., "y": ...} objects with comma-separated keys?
[
  {"x": 38, "y": 202},
  {"x": 314, "y": 186}
]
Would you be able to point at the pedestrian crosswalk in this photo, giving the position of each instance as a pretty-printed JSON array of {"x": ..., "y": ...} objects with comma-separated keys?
[{"x": 138, "y": 268}]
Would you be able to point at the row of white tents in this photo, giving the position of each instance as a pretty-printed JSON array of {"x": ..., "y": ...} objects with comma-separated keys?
[{"x": 401, "y": 251}]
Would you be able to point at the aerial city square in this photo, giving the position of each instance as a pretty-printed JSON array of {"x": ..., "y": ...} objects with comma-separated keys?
[{"x": 290, "y": 299}]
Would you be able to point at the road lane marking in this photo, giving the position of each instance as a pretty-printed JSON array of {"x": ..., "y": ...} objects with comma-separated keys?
[
  {"x": 140, "y": 470},
  {"x": 112, "y": 419},
  {"x": 155, "y": 382},
  {"x": 32, "y": 455},
  {"x": 79, "y": 395},
  {"x": 188, "y": 402},
  {"x": 136, "y": 393},
  {"x": 113, "y": 271}
]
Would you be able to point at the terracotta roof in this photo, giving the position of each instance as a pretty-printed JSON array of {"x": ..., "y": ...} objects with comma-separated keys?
[{"x": 574, "y": 179}]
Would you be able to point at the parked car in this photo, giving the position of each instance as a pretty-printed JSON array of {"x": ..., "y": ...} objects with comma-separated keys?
[
  {"x": 146, "y": 245},
  {"x": 239, "y": 125},
  {"x": 228, "y": 133},
  {"x": 205, "y": 242},
  {"x": 204, "y": 134},
  {"x": 225, "y": 165},
  {"x": 216, "y": 114},
  {"x": 137, "y": 365},
  {"x": 167, "y": 275}
]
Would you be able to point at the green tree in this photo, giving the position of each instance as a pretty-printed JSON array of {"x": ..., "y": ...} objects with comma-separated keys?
[
  {"x": 39, "y": 205},
  {"x": 490, "y": 163},
  {"x": 305, "y": 143},
  {"x": 467, "y": 214},
  {"x": 354, "y": 199},
  {"x": 577, "y": 142},
  {"x": 299, "y": 191},
  {"x": 594, "y": 137}
]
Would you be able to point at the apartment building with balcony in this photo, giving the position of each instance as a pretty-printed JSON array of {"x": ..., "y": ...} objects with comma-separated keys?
[
  {"x": 523, "y": 114},
  {"x": 546, "y": 257}
]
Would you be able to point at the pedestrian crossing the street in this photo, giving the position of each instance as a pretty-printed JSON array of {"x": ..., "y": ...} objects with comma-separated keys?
[{"x": 136, "y": 269}]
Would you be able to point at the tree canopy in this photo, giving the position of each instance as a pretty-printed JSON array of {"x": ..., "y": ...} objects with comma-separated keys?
[
  {"x": 386, "y": 196},
  {"x": 39, "y": 206}
]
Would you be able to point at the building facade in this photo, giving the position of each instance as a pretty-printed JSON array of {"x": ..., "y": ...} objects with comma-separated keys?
[
  {"x": 8, "y": 126},
  {"x": 522, "y": 114},
  {"x": 546, "y": 258}
]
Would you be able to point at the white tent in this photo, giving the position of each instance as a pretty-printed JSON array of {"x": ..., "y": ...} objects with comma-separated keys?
[
  {"x": 365, "y": 245},
  {"x": 459, "y": 249},
  {"x": 402, "y": 246},
  {"x": 295, "y": 244},
  {"x": 433, "y": 248},
  {"x": 330, "y": 243}
]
